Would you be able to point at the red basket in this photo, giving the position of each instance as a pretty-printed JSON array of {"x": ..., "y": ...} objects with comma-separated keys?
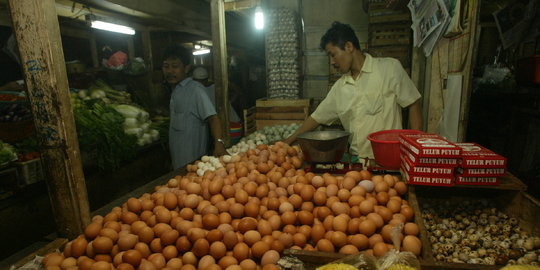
[{"x": 385, "y": 145}]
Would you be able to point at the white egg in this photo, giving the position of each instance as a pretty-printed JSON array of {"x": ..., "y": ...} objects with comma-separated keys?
[
  {"x": 367, "y": 184},
  {"x": 205, "y": 158},
  {"x": 200, "y": 172},
  {"x": 200, "y": 165},
  {"x": 227, "y": 158}
]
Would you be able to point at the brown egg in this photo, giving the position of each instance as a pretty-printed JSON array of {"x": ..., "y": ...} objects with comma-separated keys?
[
  {"x": 183, "y": 244},
  {"x": 379, "y": 249},
  {"x": 218, "y": 250},
  {"x": 127, "y": 241},
  {"x": 376, "y": 218},
  {"x": 401, "y": 188},
  {"x": 412, "y": 244},
  {"x": 143, "y": 248},
  {"x": 366, "y": 207},
  {"x": 189, "y": 258},
  {"x": 237, "y": 210},
  {"x": 78, "y": 246},
  {"x": 348, "y": 249},
  {"x": 174, "y": 264},
  {"x": 317, "y": 233},
  {"x": 53, "y": 259},
  {"x": 146, "y": 235},
  {"x": 288, "y": 218},
  {"x": 206, "y": 261},
  {"x": 251, "y": 237},
  {"x": 339, "y": 239},
  {"x": 411, "y": 229},
  {"x": 170, "y": 200},
  {"x": 92, "y": 230},
  {"x": 248, "y": 264},
  {"x": 407, "y": 212},
  {"x": 286, "y": 239},
  {"x": 214, "y": 235},
  {"x": 230, "y": 239},
  {"x": 367, "y": 227},
  {"x": 170, "y": 252},
  {"x": 124, "y": 266},
  {"x": 132, "y": 257},
  {"x": 102, "y": 244},
  {"x": 247, "y": 224},
  {"x": 101, "y": 266},
  {"x": 210, "y": 221},
  {"x": 201, "y": 247},
  {"x": 259, "y": 248},
  {"x": 227, "y": 261},
  {"x": 394, "y": 206},
  {"x": 325, "y": 245},
  {"x": 156, "y": 246},
  {"x": 169, "y": 237},
  {"x": 385, "y": 213},
  {"x": 339, "y": 223}
]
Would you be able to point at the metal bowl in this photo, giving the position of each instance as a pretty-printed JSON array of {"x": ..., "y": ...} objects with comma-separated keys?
[{"x": 324, "y": 146}]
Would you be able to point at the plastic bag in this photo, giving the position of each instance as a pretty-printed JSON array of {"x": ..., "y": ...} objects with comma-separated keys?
[
  {"x": 354, "y": 261},
  {"x": 396, "y": 260}
]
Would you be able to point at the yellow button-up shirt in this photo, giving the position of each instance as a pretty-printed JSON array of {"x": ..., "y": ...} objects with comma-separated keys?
[{"x": 369, "y": 103}]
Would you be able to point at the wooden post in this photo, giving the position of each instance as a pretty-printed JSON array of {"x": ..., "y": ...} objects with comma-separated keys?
[
  {"x": 219, "y": 57},
  {"x": 147, "y": 49},
  {"x": 131, "y": 47},
  {"x": 35, "y": 25}
]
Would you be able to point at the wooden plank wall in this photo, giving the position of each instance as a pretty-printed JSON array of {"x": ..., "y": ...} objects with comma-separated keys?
[{"x": 450, "y": 56}]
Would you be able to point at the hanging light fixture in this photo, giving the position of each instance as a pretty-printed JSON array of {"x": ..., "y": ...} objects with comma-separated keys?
[
  {"x": 200, "y": 49},
  {"x": 107, "y": 26},
  {"x": 259, "y": 18}
]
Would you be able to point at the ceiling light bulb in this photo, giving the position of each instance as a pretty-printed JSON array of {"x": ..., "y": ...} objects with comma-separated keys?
[
  {"x": 201, "y": 51},
  {"x": 259, "y": 18}
]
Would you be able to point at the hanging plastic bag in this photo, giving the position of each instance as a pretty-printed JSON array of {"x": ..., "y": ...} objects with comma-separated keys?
[
  {"x": 355, "y": 261},
  {"x": 396, "y": 260}
]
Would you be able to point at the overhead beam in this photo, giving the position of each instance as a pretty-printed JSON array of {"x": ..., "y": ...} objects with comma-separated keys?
[
  {"x": 35, "y": 24},
  {"x": 240, "y": 5}
]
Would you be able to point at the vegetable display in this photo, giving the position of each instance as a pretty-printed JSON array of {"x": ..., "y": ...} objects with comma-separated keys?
[
  {"x": 136, "y": 122},
  {"x": 100, "y": 131},
  {"x": 7, "y": 153}
]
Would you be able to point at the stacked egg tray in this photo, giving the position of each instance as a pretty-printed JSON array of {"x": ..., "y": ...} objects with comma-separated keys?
[{"x": 283, "y": 54}]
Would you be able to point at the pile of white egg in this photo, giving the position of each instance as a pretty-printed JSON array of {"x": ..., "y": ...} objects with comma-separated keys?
[
  {"x": 208, "y": 163},
  {"x": 267, "y": 135}
]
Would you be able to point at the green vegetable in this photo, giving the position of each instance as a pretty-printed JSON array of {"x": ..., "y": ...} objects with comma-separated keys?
[
  {"x": 99, "y": 128},
  {"x": 7, "y": 153}
]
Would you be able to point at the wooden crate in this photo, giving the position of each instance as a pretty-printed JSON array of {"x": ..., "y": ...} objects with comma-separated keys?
[
  {"x": 514, "y": 203},
  {"x": 400, "y": 53},
  {"x": 389, "y": 34},
  {"x": 270, "y": 112},
  {"x": 249, "y": 121},
  {"x": 266, "y": 102}
]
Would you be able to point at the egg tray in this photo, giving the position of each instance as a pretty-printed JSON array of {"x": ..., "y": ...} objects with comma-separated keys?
[{"x": 514, "y": 203}]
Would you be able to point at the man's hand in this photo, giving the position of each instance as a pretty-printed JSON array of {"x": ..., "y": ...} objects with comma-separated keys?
[{"x": 219, "y": 149}]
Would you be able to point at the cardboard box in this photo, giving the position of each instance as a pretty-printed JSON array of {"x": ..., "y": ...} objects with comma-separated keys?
[
  {"x": 463, "y": 180},
  {"x": 416, "y": 169},
  {"x": 476, "y": 156},
  {"x": 429, "y": 162},
  {"x": 447, "y": 181},
  {"x": 429, "y": 145},
  {"x": 481, "y": 172}
]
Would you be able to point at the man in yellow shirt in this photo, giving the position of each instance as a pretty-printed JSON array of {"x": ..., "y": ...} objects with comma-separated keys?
[{"x": 368, "y": 97}]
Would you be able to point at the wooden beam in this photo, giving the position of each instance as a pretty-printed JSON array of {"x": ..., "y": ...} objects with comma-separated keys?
[
  {"x": 470, "y": 60},
  {"x": 240, "y": 5},
  {"x": 35, "y": 25},
  {"x": 131, "y": 47},
  {"x": 219, "y": 57},
  {"x": 147, "y": 49}
]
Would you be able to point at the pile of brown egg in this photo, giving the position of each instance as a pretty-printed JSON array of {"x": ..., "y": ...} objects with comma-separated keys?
[{"x": 243, "y": 215}]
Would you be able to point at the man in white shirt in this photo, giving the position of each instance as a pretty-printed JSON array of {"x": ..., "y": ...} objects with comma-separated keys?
[{"x": 369, "y": 95}]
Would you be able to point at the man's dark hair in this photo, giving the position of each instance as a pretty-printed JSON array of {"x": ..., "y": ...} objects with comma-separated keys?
[
  {"x": 338, "y": 35},
  {"x": 179, "y": 52}
]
